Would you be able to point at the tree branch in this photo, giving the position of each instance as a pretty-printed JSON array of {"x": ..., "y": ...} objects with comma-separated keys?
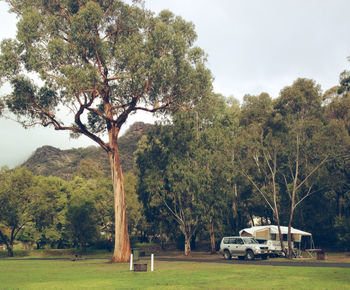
[
  {"x": 286, "y": 183},
  {"x": 173, "y": 213},
  {"x": 312, "y": 172},
  {"x": 307, "y": 194},
  {"x": 118, "y": 77},
  {"x": 255, "y": 185}
]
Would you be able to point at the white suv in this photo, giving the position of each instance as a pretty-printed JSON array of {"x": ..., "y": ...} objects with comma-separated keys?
[{"x": 243, "y": 247}]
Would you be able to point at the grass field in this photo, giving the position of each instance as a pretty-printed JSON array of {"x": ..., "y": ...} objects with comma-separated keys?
[{"x": 99, "y": 274}]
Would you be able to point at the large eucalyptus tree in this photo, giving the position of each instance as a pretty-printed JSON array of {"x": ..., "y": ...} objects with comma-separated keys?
[{"x": 102, "y": 60}]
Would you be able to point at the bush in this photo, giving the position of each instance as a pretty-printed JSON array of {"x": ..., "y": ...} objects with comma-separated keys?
[{"x": 342, "y": 228}]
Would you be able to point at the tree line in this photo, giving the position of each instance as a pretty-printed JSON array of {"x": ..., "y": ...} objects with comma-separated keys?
[
  {"x": 284, "y": 160},
  {"x": 49, "y": 212},
  {"x": 203, "y": 174}
]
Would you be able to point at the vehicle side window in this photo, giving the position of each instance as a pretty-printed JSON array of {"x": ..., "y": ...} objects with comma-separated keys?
[
  {"x": 226, "y": 241},
  {"x": 239, "y": 241},
  {"x": 232, "y": 241}
]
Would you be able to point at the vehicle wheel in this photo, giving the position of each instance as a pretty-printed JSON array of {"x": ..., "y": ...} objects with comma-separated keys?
[
  {"x": 241, "y": 257},
  {"x": 264, "y": 257},
  {"x": 249, "y": 255},
  {"x": 227, "y": 255}
]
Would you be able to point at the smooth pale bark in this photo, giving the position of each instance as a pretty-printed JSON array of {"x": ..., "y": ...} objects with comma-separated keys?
[
  {"x": 235, "y": 208},
  {"x": 212, "y": 236},
  {"x": 275, "y": 206},
  {"x": 188, "y": 244},
  {"x": 290, "y": 247},
  {"x": 122, "y": 249},
  {"x": 280, "y": 232}
]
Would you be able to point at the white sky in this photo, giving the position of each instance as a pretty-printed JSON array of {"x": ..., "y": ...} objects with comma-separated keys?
[{"x": 253, "y": 46}]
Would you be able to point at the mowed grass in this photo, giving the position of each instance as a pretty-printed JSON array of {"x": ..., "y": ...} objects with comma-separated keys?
[{"x": 99, "y": 274}]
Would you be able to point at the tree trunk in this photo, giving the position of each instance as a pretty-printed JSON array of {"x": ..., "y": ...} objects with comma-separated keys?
[
  {"x": 277, "y": 215},
  {"x": 122, "y": 248},
  {"x": 290, "y": 247},
  {"x": 212, "y": 237},
  {"x": 187, "y": 244},
  {"x": 10, "y": 250},
  {"x": 340, "y": 204},
  {"x": 235, "y": 207},
  {"x": 280, "y": 233},
  {"x": 7, "y": 242},
  {"x": 251, "y": 219}
]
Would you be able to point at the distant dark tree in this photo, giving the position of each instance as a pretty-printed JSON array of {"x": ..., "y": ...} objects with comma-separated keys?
[{"x": 82, "y": 222}]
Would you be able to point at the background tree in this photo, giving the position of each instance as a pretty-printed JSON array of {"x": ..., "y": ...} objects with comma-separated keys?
[
  {"x": 16, "y": 204},
  {"x": 102, "y": 61},
  {"x": 82, "y": 222},
  {"x": 337, "y": 175},
  {"x": 300, "y": 105},
  {"x": 282, "y": 149},
  {"x": 171, "y": 175},
  {"x": 260, "y": 149},
  {"x": 49, "y": 211},
  {"x": 215, "y": 136},
  {"x": 136, "y": 218}
]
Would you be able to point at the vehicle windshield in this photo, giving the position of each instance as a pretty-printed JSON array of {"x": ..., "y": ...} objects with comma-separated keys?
[{"x": 250, "y": 241}]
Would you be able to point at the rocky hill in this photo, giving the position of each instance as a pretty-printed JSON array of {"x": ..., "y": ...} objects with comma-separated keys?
[{"x": 48, "y": 160}]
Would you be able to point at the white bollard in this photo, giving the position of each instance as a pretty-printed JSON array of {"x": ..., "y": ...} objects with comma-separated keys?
[
  {"x": 131, "y": 258},
  {"x": 152, "y": 262}
]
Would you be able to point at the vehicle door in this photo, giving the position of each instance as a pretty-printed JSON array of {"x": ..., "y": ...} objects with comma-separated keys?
[
  {"x": 240, "y": 247},
  {"x": 235, "y": 246},
  {"x": 231, "y": 246}
]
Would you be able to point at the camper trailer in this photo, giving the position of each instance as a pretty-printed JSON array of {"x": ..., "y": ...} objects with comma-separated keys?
[{"x": 269, "y": 235}]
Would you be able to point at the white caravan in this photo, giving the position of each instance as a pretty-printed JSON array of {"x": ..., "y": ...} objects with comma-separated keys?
[{"x": 269, "y": 235}]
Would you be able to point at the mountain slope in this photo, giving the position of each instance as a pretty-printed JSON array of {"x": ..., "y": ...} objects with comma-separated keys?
[{"x": 48, "y": 160}]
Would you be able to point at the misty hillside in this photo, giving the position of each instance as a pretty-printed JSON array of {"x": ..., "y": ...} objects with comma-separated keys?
[{"x": 48, "y": 160}]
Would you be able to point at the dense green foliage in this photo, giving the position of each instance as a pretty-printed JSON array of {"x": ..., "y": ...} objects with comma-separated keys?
[
  {"x": 272, "y": 159},
  {"x": 49, "y": 212}
]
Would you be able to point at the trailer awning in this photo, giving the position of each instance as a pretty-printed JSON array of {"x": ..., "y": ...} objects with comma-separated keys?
[{"x": 273, "y": 230}]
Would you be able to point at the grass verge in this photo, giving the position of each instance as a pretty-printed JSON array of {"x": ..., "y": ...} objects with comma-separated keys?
[{"x": 98, "y": 274}]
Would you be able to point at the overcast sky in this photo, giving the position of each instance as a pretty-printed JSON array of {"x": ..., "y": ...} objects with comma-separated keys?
[{"x": 253, "y": 46}]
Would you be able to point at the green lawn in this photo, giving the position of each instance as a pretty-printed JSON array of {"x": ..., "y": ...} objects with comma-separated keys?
[{"x": 99, "y": 274}]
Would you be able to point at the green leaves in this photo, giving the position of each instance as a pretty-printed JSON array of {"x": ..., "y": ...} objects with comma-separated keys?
[
  {"x": 302, "y": 99},
  {"x": 82, "y": 221},
  {"x": 26, "y": 99},
  {"x": 85, "y": 26},
  {"x": 29, "y": 28},
  {"x": 22, "y": 99},
  {"x": 76, "y": 79},
  {"x": 9, "y": 59},
  {"x": 16, "y": 200}
]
